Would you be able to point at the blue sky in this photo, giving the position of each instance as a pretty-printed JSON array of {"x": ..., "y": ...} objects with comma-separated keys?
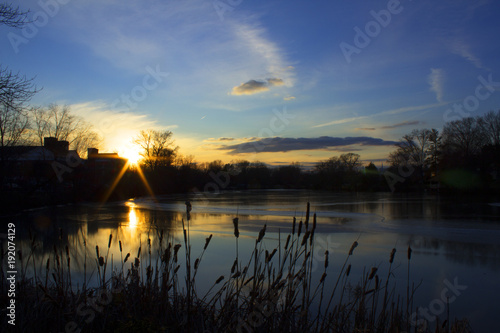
[{"x": 319, "y": 77}]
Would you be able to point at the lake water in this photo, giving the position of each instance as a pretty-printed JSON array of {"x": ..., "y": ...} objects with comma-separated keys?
[{"x": 455, "y": 241}]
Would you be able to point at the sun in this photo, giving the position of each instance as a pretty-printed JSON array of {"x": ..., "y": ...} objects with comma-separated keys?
[{"x": 132, "y": 154}]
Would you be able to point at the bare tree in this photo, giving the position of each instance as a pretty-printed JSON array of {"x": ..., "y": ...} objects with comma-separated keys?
[
  {"x": 434, "y": 151},
  {"x": 490, "y": 126},
  {"x": 463, "y": 137},
  {"x": 58, "y": 122},
  {"x": 158, "y": 149},
  {"x": 14, "y": 123},
  {"x": 12, "y": 16},
  {"x": 413, "y": 149},
  {"x": 15, "y": 89}
]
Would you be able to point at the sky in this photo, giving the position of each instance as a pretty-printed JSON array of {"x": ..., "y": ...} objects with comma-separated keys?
[{"x": 271, "y": 81}]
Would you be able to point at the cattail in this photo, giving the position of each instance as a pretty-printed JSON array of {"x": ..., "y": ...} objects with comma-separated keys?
[
  {"x": 176, "y": 250},
  {"x": 196, "y": 263},
  {"x": 409, "y": 252},
  {"x": 120, "y": 244},
  {"x": 372, "y": 273},
  {"x": 326, "y": 258},
  {"x": 236, "y": 231},
  {"x": 391, "y": 258},
  {"x": 234, "y": 266},
  {"x": 97, "y": 251},
  {"x": 270, "y": 256},
  {"x": 304, "y": 239},
  {"x": 139, "y": 252},
  {"x": 353, "y": 246},
  {"x": 300, "y": 228},
  {"x": 177, "y": 268},
  {"x": 101, "y": 261},
  {"x": 322, "y": 278},
  {"x": 262, "y": 233},
  {"x": 207, "y": 241},
  {"x": 219, "y": 279},
  {"x": 287, "y": 241},
  {"x": 376, "y": 281},
  {"x": 109, "y": 242},
  {"x": 126, "y": 258},
  {"x": 348, "y": 270},
  {"x": 236, "y": 275},
  {"x": 293, "y": 225},
  {"x": 137, "y": 262}
]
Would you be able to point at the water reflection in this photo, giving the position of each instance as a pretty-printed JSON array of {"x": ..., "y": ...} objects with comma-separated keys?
[
  {"x": 449, "y": 237},
  {"x": 132, "y": 215}
]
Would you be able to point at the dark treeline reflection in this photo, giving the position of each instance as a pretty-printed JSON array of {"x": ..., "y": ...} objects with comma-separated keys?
[
  {"x": 460, "y": 230},
  {"x": 468, "y": 253}
]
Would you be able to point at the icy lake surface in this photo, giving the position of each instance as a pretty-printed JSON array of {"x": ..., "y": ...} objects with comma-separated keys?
[{"x": 455, "y": 240}]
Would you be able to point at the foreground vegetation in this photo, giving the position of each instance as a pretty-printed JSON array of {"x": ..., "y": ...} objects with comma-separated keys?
[{"x": 274, "y": 291}]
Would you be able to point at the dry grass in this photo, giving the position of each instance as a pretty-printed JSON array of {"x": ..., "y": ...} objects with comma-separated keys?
[{"x": 274, "y": 291}]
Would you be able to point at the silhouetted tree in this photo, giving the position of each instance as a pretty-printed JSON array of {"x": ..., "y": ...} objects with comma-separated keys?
[
  {"x": 158, "y": 149},
  {"x": 58, "y": 122},
  {"x": 462, "y": 141},
  {"x": 12, "y": 16}
]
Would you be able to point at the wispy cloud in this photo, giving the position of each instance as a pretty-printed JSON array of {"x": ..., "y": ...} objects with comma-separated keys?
[
  {"x": 116, "y": 128},
  {"x": 436, "y": 82},
  {"x": 280, "y": 144},
  {"x": 383, "y": 113},
  {"x": 403, "y": 124},
  {"x": 223, "y": 139},
  {"x": 462, "y": 49}
]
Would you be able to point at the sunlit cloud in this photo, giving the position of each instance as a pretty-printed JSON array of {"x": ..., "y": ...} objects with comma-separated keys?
[
  {"x": 116, "y": 128},
  {"x": 289, "y": 98},
  {"x": 436, "y": 81},
  {"x": 218, "y": 139},
  {"x": 253, "y": 87}
]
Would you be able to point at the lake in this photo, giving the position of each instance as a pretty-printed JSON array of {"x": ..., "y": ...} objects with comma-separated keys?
[{"x": 455, "y": 242}]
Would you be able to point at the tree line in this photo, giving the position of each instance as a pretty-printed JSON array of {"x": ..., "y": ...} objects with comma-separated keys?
[{"x": 464, "y": 156}]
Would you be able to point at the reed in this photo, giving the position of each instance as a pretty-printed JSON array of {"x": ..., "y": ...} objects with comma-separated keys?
[{"x": 274, "y": 290}]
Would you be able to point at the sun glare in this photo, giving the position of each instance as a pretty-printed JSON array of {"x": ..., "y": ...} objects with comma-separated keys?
[{"x": 132, "y": 155}]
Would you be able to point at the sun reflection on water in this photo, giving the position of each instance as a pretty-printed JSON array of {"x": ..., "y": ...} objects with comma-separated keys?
[{"x": 132, "y": 216}]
